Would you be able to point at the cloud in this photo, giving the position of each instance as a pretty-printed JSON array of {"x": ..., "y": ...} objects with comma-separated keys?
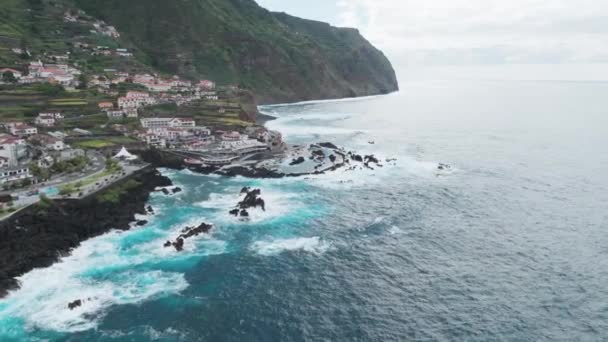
[{"x": 483, "y": 31}]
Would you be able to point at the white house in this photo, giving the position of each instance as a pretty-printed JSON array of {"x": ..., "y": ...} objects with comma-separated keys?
[
  {"x": 48, "y": 119},
  {"x": 12, "y": 148},
  {"x": 12, "y": 174},
  {"x": 22, "y": 130},
  {"x": 115, "y": 114},
  {"x": 168, "y": 123},
  {"x": 16, "y": 73}
]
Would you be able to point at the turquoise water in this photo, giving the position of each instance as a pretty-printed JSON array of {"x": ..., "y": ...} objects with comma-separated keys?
[{"x": 508, "y": 245}]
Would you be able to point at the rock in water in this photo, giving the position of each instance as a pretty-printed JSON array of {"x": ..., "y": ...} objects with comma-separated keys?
[
  {"x": 73, "y": 305},
  {"x": 234, "y": 212},
  {"x": 142, "y": 223},
  {"x": 328, "y": 145},
  {"x": 332, "y": 158},
  {"x": 176, "y": 190},
  {"x": 245, "y": 190},
  {"x": 165, "y": 191},
  {"x": 168, "y": 244},
  {"x": 179, "y": 244},
  {"x": 298, "y": 161},
  {"x": 244, "y": 213}
]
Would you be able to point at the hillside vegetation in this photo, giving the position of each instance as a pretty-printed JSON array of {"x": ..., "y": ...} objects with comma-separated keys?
[{"x": 280, "y": 57}]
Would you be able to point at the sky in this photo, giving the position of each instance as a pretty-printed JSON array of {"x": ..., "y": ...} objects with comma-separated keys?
[{"x": 470, "y": 32}]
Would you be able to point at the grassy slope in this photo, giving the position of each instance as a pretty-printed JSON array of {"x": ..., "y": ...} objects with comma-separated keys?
[{"x": 235, "y": 41}]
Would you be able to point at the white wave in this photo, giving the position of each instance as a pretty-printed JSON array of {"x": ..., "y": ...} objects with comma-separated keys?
[
  {"x": 312, "y": 245},
  {"x": 102, "y": 272},
  {"x": 348, "y": 99},
  {"x": 394, "y": 230},
  {"x": 277, "y": 204},
  {"x": 43, "y": 298}
]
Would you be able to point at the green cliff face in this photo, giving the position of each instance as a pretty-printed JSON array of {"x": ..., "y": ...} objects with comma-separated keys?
[
  {"x": 279, "y": 57},
  {"x": 282, "y": 58}
]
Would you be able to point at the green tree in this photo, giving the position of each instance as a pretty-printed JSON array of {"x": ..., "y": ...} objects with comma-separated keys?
[
  {"x": 9, "y": 77},
  {"x": 82, "y": 81}
]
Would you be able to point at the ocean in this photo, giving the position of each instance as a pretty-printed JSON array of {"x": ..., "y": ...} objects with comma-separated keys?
[{"x": 509, "y": 244}]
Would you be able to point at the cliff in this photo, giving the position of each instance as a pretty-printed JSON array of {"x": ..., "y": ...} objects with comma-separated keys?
[{"x": 281, "y": 57}]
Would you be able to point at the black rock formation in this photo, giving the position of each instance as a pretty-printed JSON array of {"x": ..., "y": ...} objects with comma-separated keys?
[
  {"x": 187, "y": 233},
  {"x": 48, "y": 232},
  {"x": 297, "y": 161},
  {"x": 328, "y": 145},
  {"x": 73, "y": 305}
]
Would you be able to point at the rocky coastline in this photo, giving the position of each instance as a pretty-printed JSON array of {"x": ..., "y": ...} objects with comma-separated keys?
[{"x": 43, "y": 233}]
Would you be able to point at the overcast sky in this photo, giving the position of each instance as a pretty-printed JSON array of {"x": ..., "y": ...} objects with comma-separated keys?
[{"x": 470, "y": 32}]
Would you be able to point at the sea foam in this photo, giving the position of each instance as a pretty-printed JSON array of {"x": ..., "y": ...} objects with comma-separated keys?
[{"x": 272, "y": 247}]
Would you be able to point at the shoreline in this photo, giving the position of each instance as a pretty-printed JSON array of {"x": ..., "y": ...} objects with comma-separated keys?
[{"x": 41, "y": 234}]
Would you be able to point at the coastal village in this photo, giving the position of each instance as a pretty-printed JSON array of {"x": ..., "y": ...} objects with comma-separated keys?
[
  {"x": 51, "y": 153},
  {"x": 68, "y": 130}
]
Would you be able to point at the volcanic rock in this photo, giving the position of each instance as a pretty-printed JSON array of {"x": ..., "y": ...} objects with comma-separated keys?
[
  {"x": 73, "y": 305},
  {"x": 297, "y": 161},
  {"x": 328, "y": 145}
]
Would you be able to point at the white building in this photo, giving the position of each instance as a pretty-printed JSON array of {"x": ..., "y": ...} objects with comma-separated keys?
[
  {"x": 135, "y": 99},
  {"x": 48, "y": 119},
  {"x": 12, "y": 149},
  {"x": 115, "y": 114},
  {"x": 12, "y": 174},
  {"x": 168, "y": 123},
  {"x": 23, "y": 130}
]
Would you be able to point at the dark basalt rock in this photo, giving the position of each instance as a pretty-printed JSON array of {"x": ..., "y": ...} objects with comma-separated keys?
[
  {"x": 250, "y": 173},
  {"x": 371, "y": 159},
  {"x": 297, "y": 161},
  {"x": 176, "y": 190},
  {"x": 328, "y": 145},
  {"x": 149, "y": 209},
  {"x": 234, "y": 212},
  {"x": 252, "y": 200},
  {"x": 357, "y": 158},
  {"x": 73, "y": 305},
  {"x": 187, "y": 233},
  {"x": 244, "y": 213},
  {"x": 179, "y": 244},
  {"x": 318, "y": 154},
  {"x": 166, "y": 192},
  {"x": 141, "y": 223},
  {"x": 47, "y": 234},
  {"x": 442, "y": 166},
  {"x": 245, "y": 190},
  {"x": 332, "y": 158}
]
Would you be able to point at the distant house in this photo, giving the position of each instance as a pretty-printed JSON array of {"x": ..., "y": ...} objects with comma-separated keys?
[
  {"x": 48, "y": 142},
  {"x": 81, "y": 132},
  {"x": 23, "y": 130},
  {"x": 135, "y": 99},
  {"x": 131, "y": 113},
  {"x": 48, "y": 119},
  {"x": 206, "y": 84},
  {"x": 168, "y": 123},
  {"x": 71, "y": 153},
  {"x": 104, "y": 106},
  {"x": 115, "y": 114},
  {"x": 16, "y": 73},
  {"x": 11, "y": 174},
  {"x": 12, "y": 148}
]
